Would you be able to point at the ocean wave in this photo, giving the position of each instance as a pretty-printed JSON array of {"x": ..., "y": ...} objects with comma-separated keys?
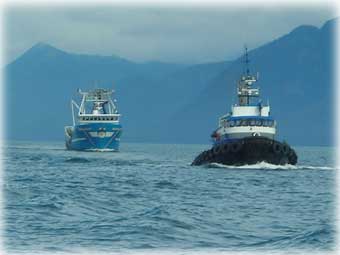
[
  {"x": 175, "y": 223},
  {"x": 77, "y": 160},
  {"x": 155, "y": 199},
  {"x": 315, "y": 238},
  {"x": 165, "y": 184},
  {"x": 268, "y": 166},
  {"x": 36, "y": 158}
]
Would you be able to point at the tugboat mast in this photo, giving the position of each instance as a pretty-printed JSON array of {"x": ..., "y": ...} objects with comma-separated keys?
[
  {"x": 245, "y": 91},
  {"x": 246, "y": 60}
]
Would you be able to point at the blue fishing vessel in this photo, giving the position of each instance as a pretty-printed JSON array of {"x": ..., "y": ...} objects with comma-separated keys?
[{"x": 96, "y": 126}]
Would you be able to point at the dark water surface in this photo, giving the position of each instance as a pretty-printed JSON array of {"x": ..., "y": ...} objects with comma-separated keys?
[{"x": 149, "y": 197}]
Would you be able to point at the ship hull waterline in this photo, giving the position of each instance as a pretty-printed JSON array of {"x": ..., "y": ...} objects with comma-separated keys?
[{"x": 248, "y": 151}]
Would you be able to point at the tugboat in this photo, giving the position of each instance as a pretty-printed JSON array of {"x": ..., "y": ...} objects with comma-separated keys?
[
  {"x": 96, "y": 126},
  {"x": 246, "y": 135}
]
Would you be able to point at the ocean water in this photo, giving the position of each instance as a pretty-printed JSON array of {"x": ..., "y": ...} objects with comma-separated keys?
[{"x": 148, "y": 197}]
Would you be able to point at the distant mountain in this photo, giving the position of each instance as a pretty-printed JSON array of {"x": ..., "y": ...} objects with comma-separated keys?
[
  {"x": 42, "y": 81},
  {"x": 174, "y": 103}
]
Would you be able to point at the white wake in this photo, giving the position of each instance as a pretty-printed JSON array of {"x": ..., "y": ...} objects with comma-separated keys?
[{"x": 265, "y": 165}]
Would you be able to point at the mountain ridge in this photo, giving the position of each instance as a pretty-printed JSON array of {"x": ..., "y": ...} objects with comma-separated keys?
[{"x": 169, "y": 102}]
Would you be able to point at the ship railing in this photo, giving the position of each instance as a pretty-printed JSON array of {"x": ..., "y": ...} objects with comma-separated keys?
[
  {"x": 106, "y": 118},
  {"x": 249, "y": 92},
  {"x": 96, "y": 99},
  {"x": 99, "y": 115},
  {"x": 96, "y": 92}
]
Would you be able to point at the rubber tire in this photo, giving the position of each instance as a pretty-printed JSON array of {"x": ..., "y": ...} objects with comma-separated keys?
[
  {"x": 211, "y": 154},
  {"x": 236, "y": 147},
  {"x": 277, "y": 148},
  {"x": 205, "y": 156},
  {"x": 199, "y": 159},
  {"x": 217, "y": 149},
  {"x": 292, "y": 157},
  {"x": 225, "y": 148},
  {"x": 285, "y": 149}
]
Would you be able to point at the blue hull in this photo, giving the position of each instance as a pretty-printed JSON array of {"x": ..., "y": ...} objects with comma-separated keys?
[{"x": 94, "y": 137}]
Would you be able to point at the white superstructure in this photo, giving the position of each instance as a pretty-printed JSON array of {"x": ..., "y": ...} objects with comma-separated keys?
[
  {"x": 249, "y": 117},
  {"x": 96, "y": 106}
]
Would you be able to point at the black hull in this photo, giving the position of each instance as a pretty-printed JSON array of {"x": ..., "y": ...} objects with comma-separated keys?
[{"x": 247, "y": 151}]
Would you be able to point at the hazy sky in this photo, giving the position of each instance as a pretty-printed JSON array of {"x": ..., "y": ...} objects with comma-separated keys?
[{"x": 145, "y": 33}]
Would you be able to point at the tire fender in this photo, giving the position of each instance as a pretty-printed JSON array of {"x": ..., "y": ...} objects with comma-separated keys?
[
  {"x": 285, "y": 149},
  {"x": 236, "y": 147},
  {"x": 225, "y": 148},
  {"x": 217, "y": 149},
  {"x": 277, "y": 148}
]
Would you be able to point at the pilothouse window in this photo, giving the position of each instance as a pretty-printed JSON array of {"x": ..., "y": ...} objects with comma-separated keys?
[
  {"x": 268, "y": 123},
  {"x": 244, "y": 122}
]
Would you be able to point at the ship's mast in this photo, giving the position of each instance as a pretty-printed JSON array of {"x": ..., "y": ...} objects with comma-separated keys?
[
  {"x": 245, "y": 91},
  {"x": 246, "y": 60}
]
